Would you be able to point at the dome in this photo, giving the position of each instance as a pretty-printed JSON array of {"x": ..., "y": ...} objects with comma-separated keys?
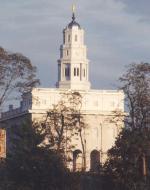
[{"x": 73, "y": 23}]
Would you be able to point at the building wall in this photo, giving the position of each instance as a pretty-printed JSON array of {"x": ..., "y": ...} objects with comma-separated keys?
[
  {"x": 97, "y": 109},
  {"x": 92, "y": 101}
]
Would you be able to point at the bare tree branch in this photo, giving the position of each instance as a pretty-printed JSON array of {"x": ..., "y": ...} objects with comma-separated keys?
[{"x": 17, "y": 75}]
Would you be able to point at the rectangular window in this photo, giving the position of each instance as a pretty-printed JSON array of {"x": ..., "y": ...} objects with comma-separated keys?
[
  {"x": 67, "y": 70},
  {"x": 74, "y": 71},
  {"x": 84, "y": 72},
  {"x": 77, "y": 71}
]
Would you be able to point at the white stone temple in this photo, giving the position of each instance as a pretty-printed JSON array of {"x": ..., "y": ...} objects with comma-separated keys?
[{"x": 97, "y": 105}]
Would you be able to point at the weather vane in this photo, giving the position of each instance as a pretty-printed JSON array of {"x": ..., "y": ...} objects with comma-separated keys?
[{"x": 73, "y": 11}]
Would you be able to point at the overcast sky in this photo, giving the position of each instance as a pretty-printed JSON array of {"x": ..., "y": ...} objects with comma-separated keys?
[{"x": 117, "y": 33}]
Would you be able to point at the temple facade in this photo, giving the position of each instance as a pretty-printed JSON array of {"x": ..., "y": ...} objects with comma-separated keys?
[{"x": 97, "y": 108}]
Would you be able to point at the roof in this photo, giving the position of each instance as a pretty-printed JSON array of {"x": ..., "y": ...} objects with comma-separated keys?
[{"x": 73, "y": 23}]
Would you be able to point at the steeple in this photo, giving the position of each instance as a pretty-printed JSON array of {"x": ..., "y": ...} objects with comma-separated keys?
[
  {"x": 73, "y": 22},
  {"x": 73, "y": 63},
  {"x": 73, "y": 12}
]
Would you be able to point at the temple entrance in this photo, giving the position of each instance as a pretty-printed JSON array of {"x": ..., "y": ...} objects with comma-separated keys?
[
  {"x": 77, "y": 160},
  {"x": 95, "y": 160}
]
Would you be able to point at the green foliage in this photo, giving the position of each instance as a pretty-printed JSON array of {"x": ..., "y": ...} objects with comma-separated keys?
[
  {"x": 30, "y": 165},
  {"x": 128, "y": 160},
  {"x": 136, "y": 86},
  {"x": 125, "y": 159}
]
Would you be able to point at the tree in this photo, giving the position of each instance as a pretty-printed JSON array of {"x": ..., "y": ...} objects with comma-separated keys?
[
  {"x": 136, "y": 86},
  {"x": 63, "y": 122},
  {"x": 30, "y": 164},
  {"x": 125, "y": 163},
  {"x": 128, "y": 159},
  {"x": 17, "y": 75}
]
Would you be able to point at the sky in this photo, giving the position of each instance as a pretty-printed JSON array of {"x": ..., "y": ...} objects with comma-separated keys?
[{"x": 117, "y": 33}]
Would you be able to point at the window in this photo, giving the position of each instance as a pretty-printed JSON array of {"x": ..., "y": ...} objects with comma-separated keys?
[
  {"x": 67, "y": 72},
  {"x": 76, "y": 38},
  {"x": 84, "y": 72},
  {"x": 74, "y": 71},
  {"x": 77, "y": 71},
  {"x": 67, "y": 52}
]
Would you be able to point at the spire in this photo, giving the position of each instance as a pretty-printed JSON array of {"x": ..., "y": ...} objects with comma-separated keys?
[
  {"x": 73, "y": 12},
  {"x": 73, "y": 22},
  {"x": 73, "y": 70}
]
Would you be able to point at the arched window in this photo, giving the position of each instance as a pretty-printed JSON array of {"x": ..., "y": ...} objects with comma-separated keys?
[{"x": 95, "y": 160}]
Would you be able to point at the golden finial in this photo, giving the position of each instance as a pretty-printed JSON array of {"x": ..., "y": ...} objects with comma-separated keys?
[{"x": 73, "y": 8}]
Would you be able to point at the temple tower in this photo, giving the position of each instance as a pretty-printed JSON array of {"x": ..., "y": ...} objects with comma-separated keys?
[{"x": 73, "y": 65}]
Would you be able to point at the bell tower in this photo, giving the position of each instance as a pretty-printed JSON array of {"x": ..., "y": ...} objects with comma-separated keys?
[{"x": 73, "y": 65}]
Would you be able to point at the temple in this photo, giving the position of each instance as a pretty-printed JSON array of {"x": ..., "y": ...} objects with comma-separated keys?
[{"x": 97, "y": 109}]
